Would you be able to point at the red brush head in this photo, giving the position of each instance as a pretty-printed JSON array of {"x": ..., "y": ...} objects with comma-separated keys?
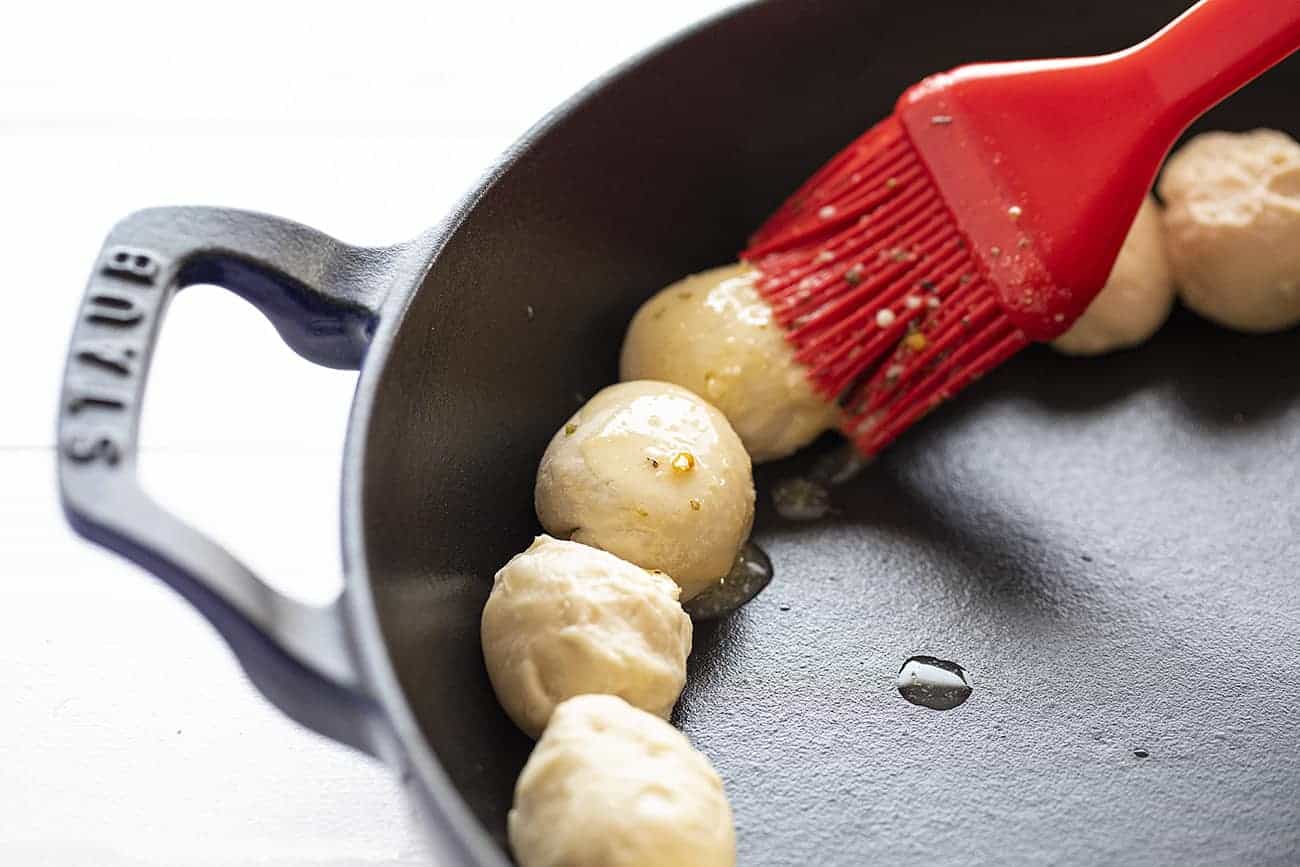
[
  {"x": 947, "y": 238},
  {"x": 878, "y": 290},
  {"x": 989, "y": 210}
]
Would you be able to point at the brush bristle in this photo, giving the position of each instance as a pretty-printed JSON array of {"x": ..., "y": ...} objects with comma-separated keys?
[{"x": 877, "y": 290}]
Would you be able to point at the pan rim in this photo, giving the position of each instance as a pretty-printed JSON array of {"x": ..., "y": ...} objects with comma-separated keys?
[{"x": 357, "y": 601}]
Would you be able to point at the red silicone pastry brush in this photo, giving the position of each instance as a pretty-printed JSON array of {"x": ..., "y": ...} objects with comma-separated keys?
[{"x": 988, "y": 210}]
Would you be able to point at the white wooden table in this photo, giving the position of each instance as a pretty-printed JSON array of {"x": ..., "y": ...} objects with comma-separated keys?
[{"x": 129, "y": 736}]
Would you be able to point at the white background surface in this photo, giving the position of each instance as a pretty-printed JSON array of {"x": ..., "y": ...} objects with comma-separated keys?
[{"x": 128, "y": 734}]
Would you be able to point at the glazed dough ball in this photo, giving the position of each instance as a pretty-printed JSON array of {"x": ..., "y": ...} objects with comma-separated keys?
[
  {"x": 648, "y": 471},
  {"x": 1232, "y": 227},
  {"x": 1137, "y": 297},
  {"x": 611, "y": 786},
  {"x": 713, "y": 334},
  {"x": 564, "y": 619}
]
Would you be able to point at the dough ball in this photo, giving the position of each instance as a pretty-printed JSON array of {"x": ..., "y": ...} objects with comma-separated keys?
[
  {"x": 564, "y": 619},
  {"x": 611, "y": 786},
  {"x": 652, "y": 473},
  {"x": 1137, "y": 297},
  {"x": 1232, "y": 227},
  {"x": 713, "y": 334}
]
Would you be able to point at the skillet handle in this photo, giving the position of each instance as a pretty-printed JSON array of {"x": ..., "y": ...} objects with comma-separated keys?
[{"x": 323, "y": 297}]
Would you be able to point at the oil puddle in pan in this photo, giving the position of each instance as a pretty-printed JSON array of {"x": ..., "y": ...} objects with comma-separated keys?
[
  {"x": 808, "y": 498},
  {"x": 934, "y": 683},
  {"x": 751, "y": 572},
  {"x": 801, "y": 499}
]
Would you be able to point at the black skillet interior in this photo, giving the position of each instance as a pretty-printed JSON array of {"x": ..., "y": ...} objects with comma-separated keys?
[{"x": 1108, "y": 545}]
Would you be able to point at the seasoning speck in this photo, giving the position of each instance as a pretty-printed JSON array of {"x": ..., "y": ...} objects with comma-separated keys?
[
  {"x": 825, "y": 256},
  {"x": 683, "y": 462},
  {"x": 653, "y": 463},
  {"x": 916, "y": 341},
  {"x": 853, "y": 276},
  {"x": 891, "y": 183},
  {"x": 1014, "y": 212},
  {"x": 885, "y": 318},
  {"x": 1060, "y": 317},
  {"x": 826, "y": 212},
  {"x": 913, "y": 303},
  {"x": 995, "y": 252},
  {"x": 570, "y": 429},
  {"x": 941, "y": 119},
  {"x": 932, "y": 302},
  {"x": 695, "y": 504}
]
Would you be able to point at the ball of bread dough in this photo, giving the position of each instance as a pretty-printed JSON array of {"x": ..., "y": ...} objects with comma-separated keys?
[
  {"x": 564, "y": 619},
  {"x": 713, "y": 334},
  {"x": 612, "y": 786},
  {"x": 1137, "y": 297},
  {"x": 1232, "y": 227},
  {"x": 652, "y": 473}
]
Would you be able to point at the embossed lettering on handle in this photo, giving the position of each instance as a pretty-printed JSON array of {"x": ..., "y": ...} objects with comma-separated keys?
[
  {"x": 131, "y": 262},
  {"x": 96, "y": 446},
  {"x": 106, "y": 355}
]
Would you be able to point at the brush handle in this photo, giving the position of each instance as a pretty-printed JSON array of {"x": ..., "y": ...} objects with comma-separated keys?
[{"x": 1213, "y": 49}]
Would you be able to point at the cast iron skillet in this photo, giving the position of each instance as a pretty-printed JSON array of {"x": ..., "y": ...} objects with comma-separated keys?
[{"x": 1108, "y": 545}]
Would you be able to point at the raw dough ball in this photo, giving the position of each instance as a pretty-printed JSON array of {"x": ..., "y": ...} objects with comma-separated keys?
[
  {"x": 648, "y": 471},
  {"x": 1232, "y": 227},
  {"x": 713, "y": 334},
  {"x": 1137, "y": 297},
  {"x": 611, "y": 786},
  {"x": 565, "y": 619}
]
